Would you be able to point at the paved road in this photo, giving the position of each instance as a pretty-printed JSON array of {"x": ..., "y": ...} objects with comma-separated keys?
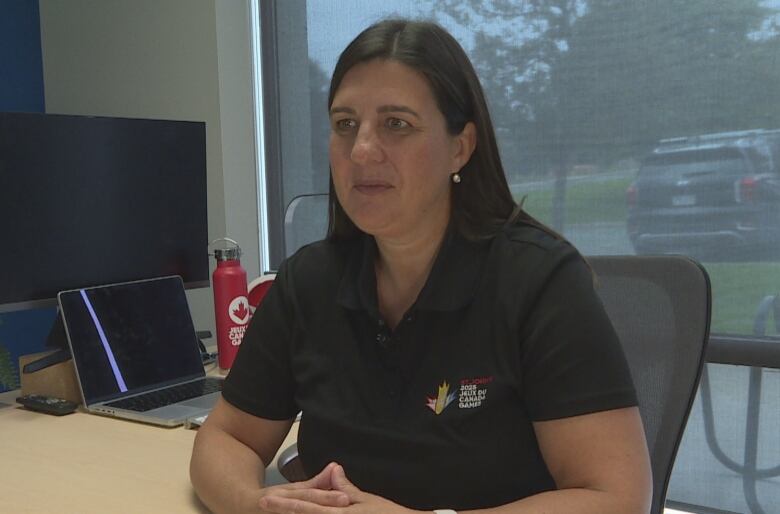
[
  {"x": 600, "y": 238},
  {"x": 699, "y": 478}
]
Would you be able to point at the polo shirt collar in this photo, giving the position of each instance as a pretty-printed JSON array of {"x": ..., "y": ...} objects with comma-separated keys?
[{"x": 451, "y": 285}]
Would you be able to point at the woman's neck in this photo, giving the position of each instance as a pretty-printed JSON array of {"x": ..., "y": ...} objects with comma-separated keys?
[{"x": 402, "y": 268}]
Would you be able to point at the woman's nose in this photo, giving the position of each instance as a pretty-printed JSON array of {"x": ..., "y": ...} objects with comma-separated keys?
[{"x": 367, "y": 147}]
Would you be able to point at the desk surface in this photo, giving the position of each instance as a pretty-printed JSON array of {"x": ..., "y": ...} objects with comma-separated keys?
[{"x": 84, "y": 463}]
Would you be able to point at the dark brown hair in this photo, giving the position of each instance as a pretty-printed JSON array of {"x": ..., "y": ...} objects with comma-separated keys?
[{"x": 481, "y": 202}]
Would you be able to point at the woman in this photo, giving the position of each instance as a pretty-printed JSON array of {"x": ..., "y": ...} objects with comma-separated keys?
[{"x": 447, "y": 351}]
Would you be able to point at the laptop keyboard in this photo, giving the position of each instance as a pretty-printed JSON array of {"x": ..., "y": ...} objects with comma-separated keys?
[{"x": 168, "y": 396}]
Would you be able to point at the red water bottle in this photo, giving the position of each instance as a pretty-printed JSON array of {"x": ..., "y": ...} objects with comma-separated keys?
[{"x": 231, "y": 306}]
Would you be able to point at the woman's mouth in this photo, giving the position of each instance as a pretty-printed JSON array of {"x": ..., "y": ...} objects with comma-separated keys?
[{"x": 372, "y": 188}]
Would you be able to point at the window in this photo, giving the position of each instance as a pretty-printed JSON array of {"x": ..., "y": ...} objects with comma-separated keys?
[{"x": 629, "y": 126}]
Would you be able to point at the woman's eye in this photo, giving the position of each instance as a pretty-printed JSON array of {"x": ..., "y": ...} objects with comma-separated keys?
[
  {"x": 396, "y": 124},
  {"x": 345, "y": 124}
]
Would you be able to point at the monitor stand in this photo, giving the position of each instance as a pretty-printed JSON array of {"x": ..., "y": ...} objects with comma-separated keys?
[{"x": 56, "y": 340}]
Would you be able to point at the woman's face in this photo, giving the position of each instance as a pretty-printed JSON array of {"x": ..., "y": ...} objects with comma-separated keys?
[{"x": 390, "y": 153}]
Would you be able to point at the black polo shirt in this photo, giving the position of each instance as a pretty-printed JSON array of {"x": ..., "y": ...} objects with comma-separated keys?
[{"x": 436, "y": 413}]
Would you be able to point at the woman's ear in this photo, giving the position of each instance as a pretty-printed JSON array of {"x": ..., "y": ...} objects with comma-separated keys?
[{"x": 466, "y": 142}]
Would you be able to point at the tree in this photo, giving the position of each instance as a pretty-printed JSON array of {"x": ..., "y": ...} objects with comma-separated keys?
[
  {"x": 517, "y": 65},
  {"x": 666, "y": 68},
  {"x": 595, "y": 81}
]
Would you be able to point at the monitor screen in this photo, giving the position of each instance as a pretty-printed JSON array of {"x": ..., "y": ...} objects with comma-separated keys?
[{"x": 89, "y": 200}]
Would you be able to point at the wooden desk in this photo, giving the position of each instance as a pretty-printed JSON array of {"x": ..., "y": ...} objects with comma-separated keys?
[{"x": 83, "y": 463}]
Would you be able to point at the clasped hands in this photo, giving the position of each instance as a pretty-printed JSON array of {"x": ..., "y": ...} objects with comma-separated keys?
[{"x": 330, "y": 492}]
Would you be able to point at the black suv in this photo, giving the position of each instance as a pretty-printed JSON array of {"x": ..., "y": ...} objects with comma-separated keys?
[{"x": 710, "y": 196}]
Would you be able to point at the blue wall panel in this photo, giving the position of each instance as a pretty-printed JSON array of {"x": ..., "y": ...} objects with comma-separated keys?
[
  {"x": 21, "y": 89},
  {"x": 21, "y": 64}
]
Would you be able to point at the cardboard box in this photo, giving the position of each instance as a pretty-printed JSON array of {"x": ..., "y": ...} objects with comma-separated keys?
[{"x": 58, "y": 380}]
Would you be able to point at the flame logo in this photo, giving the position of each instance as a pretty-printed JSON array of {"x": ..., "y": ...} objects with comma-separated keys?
[{"x": 439, "y": 403}]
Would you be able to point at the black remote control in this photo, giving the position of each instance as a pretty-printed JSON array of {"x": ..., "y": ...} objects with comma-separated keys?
[{"x": 47, "y": 404}]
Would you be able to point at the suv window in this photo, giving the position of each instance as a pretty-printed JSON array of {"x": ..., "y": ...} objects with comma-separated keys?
[
  {"x": 678, "y": 164},
  {"x": 762, "y": 156}
]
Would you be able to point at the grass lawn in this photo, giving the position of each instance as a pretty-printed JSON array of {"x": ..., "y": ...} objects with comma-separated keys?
[
  {"x": 737, "y": 289},
  {"x": 586, "y": 202}
]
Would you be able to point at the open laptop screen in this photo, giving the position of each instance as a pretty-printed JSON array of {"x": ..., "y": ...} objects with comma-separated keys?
[{"x": 130, "y": 337}]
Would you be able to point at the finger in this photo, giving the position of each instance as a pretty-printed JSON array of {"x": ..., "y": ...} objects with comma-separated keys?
[
  {"x": 312, "y": 495},
  {"x": 323, "y": 479},
  {"x": 281, "y": 505},
  {"x": 342, "y": 483}
]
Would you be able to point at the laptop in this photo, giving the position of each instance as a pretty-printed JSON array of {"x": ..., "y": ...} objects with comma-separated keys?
[{"x": 136, "y": 353}]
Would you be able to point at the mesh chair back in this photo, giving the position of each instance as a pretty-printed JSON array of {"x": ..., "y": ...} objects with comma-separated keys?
[
  {"x": 305, "y": 221},
  {"x": 660, "y": 307}
]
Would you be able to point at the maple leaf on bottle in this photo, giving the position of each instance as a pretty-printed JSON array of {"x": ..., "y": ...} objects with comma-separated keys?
[{"x": 241, "y": 312}]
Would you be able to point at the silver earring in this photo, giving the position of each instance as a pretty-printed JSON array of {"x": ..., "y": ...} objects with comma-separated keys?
[{"x": 456, "y": 178}]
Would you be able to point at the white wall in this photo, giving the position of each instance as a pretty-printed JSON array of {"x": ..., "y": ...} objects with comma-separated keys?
[
  {"x": 237, "y": 117},
  {"x": 166, "y": 59}
]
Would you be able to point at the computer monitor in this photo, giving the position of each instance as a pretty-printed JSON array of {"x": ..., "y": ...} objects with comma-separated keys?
[{"x": 89, "y": 200}]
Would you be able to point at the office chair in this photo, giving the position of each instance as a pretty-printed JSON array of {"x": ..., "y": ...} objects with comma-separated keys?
[
  {"x": 305, "y": 221},
  {"x": 660, "y": 308},
  {"x": 290, "y": 466}
]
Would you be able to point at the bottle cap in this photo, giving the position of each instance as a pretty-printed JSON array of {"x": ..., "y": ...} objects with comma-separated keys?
[{"x": 226, "y": 254}]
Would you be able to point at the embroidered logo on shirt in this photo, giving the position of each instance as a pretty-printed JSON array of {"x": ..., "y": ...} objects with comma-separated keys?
[
  {"x": 471, "y": 394},
  {"x": 438, "y": 403}
]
